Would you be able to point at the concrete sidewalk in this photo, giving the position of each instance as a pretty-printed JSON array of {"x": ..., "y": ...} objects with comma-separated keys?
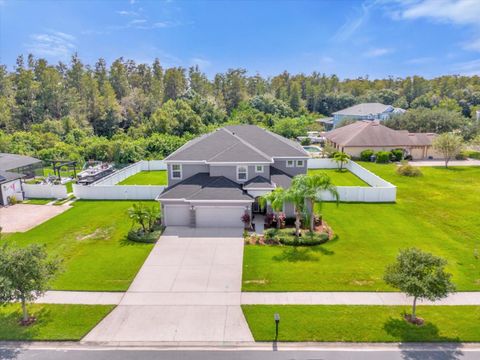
[{"x": 223, "y": 298}]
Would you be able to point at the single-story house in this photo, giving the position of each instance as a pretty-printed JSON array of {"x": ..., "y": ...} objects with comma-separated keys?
[
  {"x": 362, "y": 135},
  {"x": 13, "y": 168},
  {"x": 216, "y": 178},
  {"x": 366, "y": 111}
]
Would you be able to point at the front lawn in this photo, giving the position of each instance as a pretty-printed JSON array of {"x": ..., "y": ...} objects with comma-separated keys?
[
  {"x": 340, "y": 178},
  {"x": 54, "y": 322},
  {"x": 154, "y": 177},
  {"x": 91, "y": 239},
  {"x": 363, "y": 323},
  {"x": 437, "y": 212}
]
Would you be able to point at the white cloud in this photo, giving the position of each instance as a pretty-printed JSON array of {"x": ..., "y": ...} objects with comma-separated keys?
[
  {"x": 473, "y": 44},
  {"x": 353, "y": 23},
  {"x": 127, "y": 13},
  {"x": 201, "y": 62},
  {"x": 137, "y": 21},
  {"x": 468, "y": 68},
  {"x": 326, "y": 59},
  {"x": 377, "y": 52},
  {"x": 420, "y": 60},
  {"x": 52, "y": 43}
]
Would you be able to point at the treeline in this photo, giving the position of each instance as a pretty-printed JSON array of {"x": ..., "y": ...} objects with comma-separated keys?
[{"x": 119, "y": 112}]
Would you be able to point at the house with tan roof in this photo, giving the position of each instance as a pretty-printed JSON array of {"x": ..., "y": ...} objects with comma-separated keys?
[{"x": 363, "y": 135}]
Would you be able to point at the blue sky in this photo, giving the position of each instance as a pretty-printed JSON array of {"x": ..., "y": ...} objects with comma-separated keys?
[{"x": 349, "y": 38}]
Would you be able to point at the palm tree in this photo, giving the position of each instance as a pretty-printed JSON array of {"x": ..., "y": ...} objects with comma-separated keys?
[
  {"x": 275, "y": 199},
  {"x": 295, "y": 195},
  {"x": 312, "y": 187},
  {"x": 341, "y": 159}
]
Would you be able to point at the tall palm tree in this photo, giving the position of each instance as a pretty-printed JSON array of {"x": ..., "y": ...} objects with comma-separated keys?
[
  {"x": 275, "y": 199},
  {"x": 312, "y": 187},
  {"x": 341, "y": 159}
]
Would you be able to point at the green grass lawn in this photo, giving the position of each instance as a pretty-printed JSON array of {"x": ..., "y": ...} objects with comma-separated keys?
[
  {"x": 340, "y": 178},
  {"x": 363, "y": 323},
  {"x": 54, "y": 322},
  {"x": 437, "y": 212},
  {"x": 91, "y": 239},
  {"x": 156, "y": 177},
  {"x": 37, "y": 201}
]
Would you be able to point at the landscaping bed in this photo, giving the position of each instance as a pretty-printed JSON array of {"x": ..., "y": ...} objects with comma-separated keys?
[
  {"x": 53, "y": 322},
  {"x": 154, "y": 177},
  {"x": 434, "y": 212},
  {"x": 362, "y": 323},
  {"x": 91, "y": 239}
]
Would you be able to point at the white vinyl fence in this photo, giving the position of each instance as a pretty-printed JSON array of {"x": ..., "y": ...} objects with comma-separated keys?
[
  {"x": 106, "y": 188},
  {"x": 44, "y": 191},
  {"x": 380, "y": 190}
]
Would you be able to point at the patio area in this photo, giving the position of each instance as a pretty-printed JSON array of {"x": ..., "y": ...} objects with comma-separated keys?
[{"x": 23, "y": 217}]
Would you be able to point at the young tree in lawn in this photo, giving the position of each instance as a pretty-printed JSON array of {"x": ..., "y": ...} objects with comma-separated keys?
[
  {"x": 449, "y": 145},
  {"x": 275, "y": 199},
  {"x": 25, "y": 274},
  {"x": 341, "y": 159},
  {"x": 312, "y": 187},
  {"x": 420, "y": 275}
]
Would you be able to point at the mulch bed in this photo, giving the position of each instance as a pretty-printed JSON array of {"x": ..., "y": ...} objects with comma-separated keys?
[{"x": 417, "y": 321}]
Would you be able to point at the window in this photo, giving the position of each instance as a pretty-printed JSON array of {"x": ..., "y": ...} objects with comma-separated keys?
[
  {"x": 259, "y": 168},
  {"x": 290, "y": 163},
  {"x": 176, "y": 171},
  {"x": 300, "y": 163},
  {"x": 242, "y": 173}
]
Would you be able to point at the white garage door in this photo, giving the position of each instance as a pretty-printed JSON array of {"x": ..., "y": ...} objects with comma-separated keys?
[
  {"x": 212, "y": 216},
  {"x": 177, "y": 215}
]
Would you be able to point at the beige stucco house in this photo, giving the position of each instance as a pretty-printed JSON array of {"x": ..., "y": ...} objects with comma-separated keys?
[{"x": 362, "y": 135}]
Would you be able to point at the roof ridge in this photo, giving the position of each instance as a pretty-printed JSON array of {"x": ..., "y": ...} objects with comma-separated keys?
[
  {"x": 190, "y": 143},
  {"x": 284, "y": 140},
  {"x": 358, "y": 132},
  {"x": 248, "y": 144},
  {"x": 224, "y": 150}
]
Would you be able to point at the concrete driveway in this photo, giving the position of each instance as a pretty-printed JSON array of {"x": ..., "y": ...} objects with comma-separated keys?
[{"x": 188, "y": 290}]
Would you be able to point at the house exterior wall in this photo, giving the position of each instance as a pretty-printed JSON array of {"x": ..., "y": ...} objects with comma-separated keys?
[
  {"x": 230, "y": 172},
  {"x": 11, "y": 188},
  {"x": 281, "y": 164},
  {"x": 380, "y": 116},
  {"x": 187, "y": 171}
]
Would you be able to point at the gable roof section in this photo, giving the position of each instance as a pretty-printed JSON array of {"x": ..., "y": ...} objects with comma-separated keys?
[
  {"x": 238, "y": 143},
  {"x": 364, "y": 109},
  {"x": 258, "y": 182},
  {"x": 204, "y": 187},
  {"x": 371, "y": 133},
  {"x": 280, "y": 178},
  {"x": 13, "y": 161}
]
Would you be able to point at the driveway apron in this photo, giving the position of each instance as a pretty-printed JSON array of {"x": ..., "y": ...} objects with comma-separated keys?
[{"x": 188, "y": 290}]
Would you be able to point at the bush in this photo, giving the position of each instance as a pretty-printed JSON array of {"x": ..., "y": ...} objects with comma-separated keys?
[
  {"x": 462, "y": 155},
  {"x": 12, "y": 200},
  {"x": 366, "y": 155},
  {"x": 307, "y": 238},
  {"x": 383, "y": 157},
  {"x": 409, "y": 170},
  {"x": 468, "y": 154},
  {"x": 138, "y": 235},
  {"x": 270, "y": 234},
  {"x": 397, "y": 155}
]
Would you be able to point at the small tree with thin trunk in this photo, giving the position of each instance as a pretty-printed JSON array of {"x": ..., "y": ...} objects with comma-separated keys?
[
  {"x": 420, "y": 275},
  {"x": 275, "y": 199},
  {"x": 24, "y": 275},
  {"x": 449, "y": 145},
  {"x": 341, "y": 159}
]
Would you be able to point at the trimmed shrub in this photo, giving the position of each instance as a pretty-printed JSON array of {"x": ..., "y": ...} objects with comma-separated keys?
[
  {"x": 468, "y": 154},
  {"x": 409, "y": 170},
  {"x": 462, "y": 155},
  {"x": 307, "y": 239},
  {"x": 397, "y": 154},
  {"x": 138, "y": 235},
  {"x": 366, "y": 155},
  {"x": 383, "y": 157}
]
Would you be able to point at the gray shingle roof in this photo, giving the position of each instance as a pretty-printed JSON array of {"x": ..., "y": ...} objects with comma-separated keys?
[
  {"x": 6, "y": 176},
  {"x": 280, "y": 178},
  {"x": 238, "y": 143},
  {"x": 363, "y": 109},
  {"x": 13, "y": 161},
  {"x": 258, "y": 182},
  {"x": 373, "y": 134},
  {"x": 204, "y": 187}
]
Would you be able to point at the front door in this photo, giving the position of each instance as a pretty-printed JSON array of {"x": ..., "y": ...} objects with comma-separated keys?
[{"x": 257, "y": 208}]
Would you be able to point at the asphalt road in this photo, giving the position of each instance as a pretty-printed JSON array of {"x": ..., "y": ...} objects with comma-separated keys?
[{"x": 338, "y": 354}]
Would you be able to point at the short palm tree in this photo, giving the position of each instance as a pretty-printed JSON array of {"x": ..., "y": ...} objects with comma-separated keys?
[
  {"x": 275, "y": 199},
  {"x": 312, "y": 187},
  {"x": 295, "y": 195},
  {"x": 341, "y": 159}
]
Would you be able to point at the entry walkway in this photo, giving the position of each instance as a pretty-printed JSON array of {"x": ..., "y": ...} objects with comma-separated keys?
[
  {"x": 248, "y": 298},
  {"x": 188, "y": 290}
]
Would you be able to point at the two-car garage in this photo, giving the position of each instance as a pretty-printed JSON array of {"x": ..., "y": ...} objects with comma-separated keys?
[{"x": 203, "y": 216}]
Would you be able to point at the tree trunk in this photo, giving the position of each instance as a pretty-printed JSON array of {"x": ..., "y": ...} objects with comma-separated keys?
[
  {"x": 312, "y": 216},
  {"x": 278, "y": 220},
  {"x": 24, "y": 310},
  {"x": 297, "y": 224},
  {"x": 414, "y": 308}
]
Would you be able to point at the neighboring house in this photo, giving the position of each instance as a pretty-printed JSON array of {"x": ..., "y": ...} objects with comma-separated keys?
[
  {"x": 13, "y": 168},
  {"x": 366, "y": 111},
  {"x": 216, "y": 178},
  {"x": 362, "y": 135}
]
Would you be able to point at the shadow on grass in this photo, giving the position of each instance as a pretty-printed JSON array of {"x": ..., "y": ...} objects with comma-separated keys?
[
  {"x": 295, "y": 254},
  {"x": 10, "y": 328},
  {"x": 408, "y": 333}
]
